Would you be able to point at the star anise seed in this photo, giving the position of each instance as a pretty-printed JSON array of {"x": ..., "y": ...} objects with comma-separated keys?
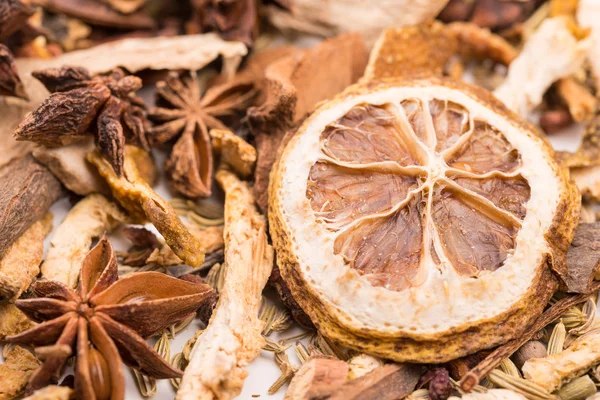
[
  {"x": 232, "y": 19},
  {"x": 10, "y": 83},
  {"x": 185, "y": 115},
  {"x": 104, "y": 105},
  {"x": 105, "y": 322}
]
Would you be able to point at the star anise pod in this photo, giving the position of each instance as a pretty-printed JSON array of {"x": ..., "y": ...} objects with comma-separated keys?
[
  {"x": 10, "y": 83},
  {"x": 105, "y": 322},
  {"x": 13, "y": 17},
  {"x": 185, "y": 115},
  {"x": 232, "y": 19},
  {"x": 104, "y": 105},
  {"x": 492, "y": 14}
]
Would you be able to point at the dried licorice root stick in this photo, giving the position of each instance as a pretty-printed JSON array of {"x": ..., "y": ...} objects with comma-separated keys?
[
  {"x": 474, "y": 376},
  {"x": 143, "y": 203}
]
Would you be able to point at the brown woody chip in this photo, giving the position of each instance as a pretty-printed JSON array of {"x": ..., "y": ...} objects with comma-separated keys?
[{"x": 583, "y": 258}]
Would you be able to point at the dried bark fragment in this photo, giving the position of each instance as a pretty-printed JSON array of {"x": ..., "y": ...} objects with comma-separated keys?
[
  {"x": 553, "y": 371},
  {"x": 21, "y": 263},
  {"x": 318, "y": 378},
  {"x": 28, "y": 191},
  {"x": 294, "y": 85},
  {"x": 12, "y": 320},
  {"x": 97, "y": 13},
  {"x": 10, "y": 83},
  {"x": 287, "y": 299},
  {"x": 232, "y": 19},
  {"x": 142, "y": 202},
  {"x": 233, "y": 336},
  {"x": 333, "y": 17},
  {"x": 235, "y": 151},
  {"x": 13, "y": 16},
  {"x": 551, "y": 53},
  {"x": 69, "y": 165},
  {"x": 52, "y": 392},
  {"x": 90, "y": 218},
  {"x": 492, "y": 14},
  {"x": 583, "y": 258},
  {"x": 18, "y": 366},
  {"x": 388, "y": 382}
]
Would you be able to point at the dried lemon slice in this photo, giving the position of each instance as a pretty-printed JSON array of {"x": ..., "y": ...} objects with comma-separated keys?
[{"x": 420, "y": 220}]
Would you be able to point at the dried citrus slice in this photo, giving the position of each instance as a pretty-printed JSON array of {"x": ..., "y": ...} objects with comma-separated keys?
[{"x": 420, "y": 220}]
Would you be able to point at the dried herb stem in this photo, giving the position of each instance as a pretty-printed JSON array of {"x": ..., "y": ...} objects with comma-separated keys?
[
  {"x": 216, "y": 277},
  {"x": 301, "y": 352},
  {"x": 508, "y": 367},
  {"x": 287, "y": 372},
  {"x": 146, "y": 384},
  {"x": 556, "y": 343},
  {"x": 519, "y": 385},
  {"x": 275, "y": 347},
  {"x": 178, "y": 361},
  {"x": 275, "y": 318}
]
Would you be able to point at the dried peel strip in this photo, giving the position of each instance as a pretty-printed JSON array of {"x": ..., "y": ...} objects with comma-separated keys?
[
  {"x": 21, "y": 263},
  {"x": 427, "y": 193},
  {"x": 90, "y": 218},
  {"x": 550, "y": 54},
  {"x": 142, "y": 202},
  {"x": 18, "y": 366},
  {"x": 233, "y": 336},
  {"x": 553, "y": 371},
  {"x": 235, "y": 151}
]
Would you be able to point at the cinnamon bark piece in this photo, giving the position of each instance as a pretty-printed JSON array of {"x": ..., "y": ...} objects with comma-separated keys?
[
  {"x": 21, "y": 263},
  {"x": 583, "y": 258},
  {"x": 388, "y": 382},
  {"x": 318, "y": 378},
  {"x": 233, "y": 336},
  {"x": 28, "y": 191}
]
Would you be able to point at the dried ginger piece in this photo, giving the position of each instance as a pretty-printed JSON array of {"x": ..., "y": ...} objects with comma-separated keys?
[
  {"x": 68, "y": 164},
  {"x": 90, "y": 218},
  {"x": 235, "y": 151},
  {"x": 19, "y": 365},
  {"x": 318, "y": 378},
  {"x": 52, "y": 392},
  {"x": 553, "y": 371},
  {"x": 21, "y": 263},
  {"x": 233, "y": 336},
  {"x": 142, "y": 202},
  {"x": 12, "y": 320},
  {"x": 551, "y": 53}
]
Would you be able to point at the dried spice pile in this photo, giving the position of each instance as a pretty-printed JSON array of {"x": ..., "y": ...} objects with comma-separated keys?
[{"x": 149, "y": 171}]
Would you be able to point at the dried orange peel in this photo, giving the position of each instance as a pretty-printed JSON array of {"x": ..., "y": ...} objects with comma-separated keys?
[{"x": 419, "y": 219}]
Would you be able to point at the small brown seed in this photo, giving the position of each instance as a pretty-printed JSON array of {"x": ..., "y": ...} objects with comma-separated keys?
[
  {"x": 554, "y": 120},
  {"x": 531, "y": 349}
]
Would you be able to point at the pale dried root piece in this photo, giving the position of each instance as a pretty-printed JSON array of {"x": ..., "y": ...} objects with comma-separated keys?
[
  {"x": 478, "y": 42},
  {"x": 28, "y": 191},
  {"x": 388, "y": 382},
  {"x": 580, "y": 102},
  {"x": 235, "y": 151},
  {"x": 19, "y": 365},
  {"x": 52, "y": 392},
  {"x": 89, "y": 219},
  {"x": 142, "y": 202},
  {"x": 587, "y": 180},
  {"x": 318, "y": 378},
  {"x": 233, "y": 336},
  {"x": 362, "y": 364},
  {"x": 12, "y": 320},
  {"x": 21, "y": 263},
  {"x": 553, "y": 371},
  {"x": 69, "y": 165},
  {"x": 551, "y": 53},
  {"x": 588, "y": 16}
]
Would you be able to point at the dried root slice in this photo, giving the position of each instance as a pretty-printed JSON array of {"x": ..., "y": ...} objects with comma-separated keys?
[
  {"x": 19, "y": 365},
  {"x": 89, "y": 219},
  {"x": 233, "y": 336},
  {"x": 142, "y": 202},
  {"x": 12, "y": 320},
  {"x": 583, "y": 258},
  {"x": 235, "y": 151},
  {"x": 553, "y": 371},
  {"x": 52, "y": 392},
  {"x": 427, "y": 193},
  {"x": 551, "y": 53},
  {"x": 21, "y": 263},
  {"x": 318, "y": 378}
]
